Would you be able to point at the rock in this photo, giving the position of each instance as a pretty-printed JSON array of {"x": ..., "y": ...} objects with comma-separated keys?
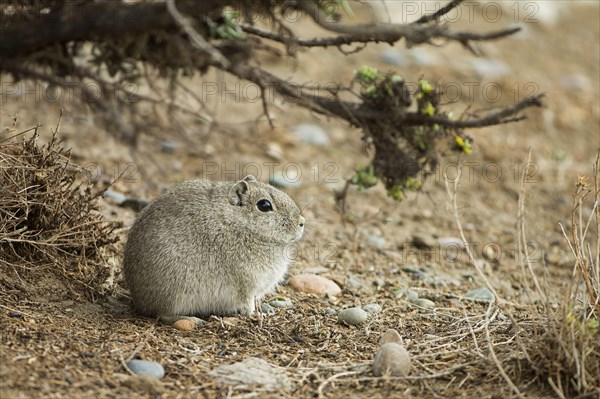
[
  {"x": 281, "y": 303},
  {"x": 405, "y": 293},
  {"x": 354, "y": 285},
  {"x": 425, "y": 303},
  {"x": 289, "y": 178},
  {"x": 114, "y": 196},
  {"x": 420, "y": 240},
  {"x": 146, "y": 368},
  {"x": 392, "y": 359},
  {"x": 329, "y": 311},
  {"x": 482, "y": 293},
  {"x": 312, "y": 134},
  {"x": 451, "y": 242},
  {"x": 490, "y": 68},
  {"x": 372, "y": 308},
  {"x": 15, "y": 313},
  {"x": 419, "y": 273},
  {"x": 275, "y": 151},
  {"x": 377, "y": 242},
  {"x": 168, "y": 146},
  {"x": 379, "y": 282},
  {"x": 253, "y": 371},
  {"x": 390, "y": 335},
  {"x": 575, "y": 83},
  {"x": 184, "y": 325},
  {"x": 313, "y": 284},
  {"x": 353, "y": 316},
  {"x": 491, "y": 251},
  {"x": 265, "y": 308},
  {"x": 393, "y": 57}
]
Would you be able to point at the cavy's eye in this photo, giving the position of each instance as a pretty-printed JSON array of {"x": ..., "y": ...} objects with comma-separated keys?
[{"x": 264, "y": 205}]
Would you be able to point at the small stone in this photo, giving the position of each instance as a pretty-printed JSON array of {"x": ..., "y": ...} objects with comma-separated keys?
[
  {"x": 114, "y": 196},
  {"x": 265, "y": 308},
  {"x": 372, "y": 308},
  {"x": 281, "y": 303},
  {"x": 253, "y": 372},
  {"x": 288, "y": 179},
  {"x": 15, "y": 313},
  {"x": 354, "y": 285},
  {"x": 451, "y": 243},
  {"x": 379, "y": 282},
  {"x": 146, "y": 368},
  {"x": 406, "y": 294},
  {"x": 377, "y": 242},
  {"x": 313, "y": 284},
  {"x": 393, "y": 57},
  {"x": 488, "y": 67},
  {"x": 275, "y": 151},
  {"x": 184, "y": 325},
  {"x": 491, "y": 251},
  {"x": 481, "y": 293},
  {"x": 312, "y": 134},
  {"x": 425, "y": 303},
  {"x": 328, "y": 311},
  {"x": 352, "y": 316},
  {"x": 390, "y": 335},
  {"x": 392, "y": 359},
  {"x": 168, "y": 146},
  {"x": 423, "y": 240},
  {"x": 575, "y": 83}
]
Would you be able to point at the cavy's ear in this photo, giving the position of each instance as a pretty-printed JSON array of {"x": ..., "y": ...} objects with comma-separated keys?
[
  {"x": 237, "y": 192},
  {"x": 250, "y": 178}
]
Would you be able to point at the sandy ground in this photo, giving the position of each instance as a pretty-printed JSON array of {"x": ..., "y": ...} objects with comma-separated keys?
[{"x": 65, "y": 346}]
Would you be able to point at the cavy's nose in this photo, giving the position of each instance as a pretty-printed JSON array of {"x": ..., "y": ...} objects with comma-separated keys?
[{"x": 301, "y": 221}]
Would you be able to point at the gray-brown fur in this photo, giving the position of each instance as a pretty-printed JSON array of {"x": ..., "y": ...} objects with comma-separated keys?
[{"x": 205, "y": 248}]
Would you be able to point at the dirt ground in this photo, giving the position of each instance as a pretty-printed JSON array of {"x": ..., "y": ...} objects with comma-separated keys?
[{"x": 65, "y": 346}]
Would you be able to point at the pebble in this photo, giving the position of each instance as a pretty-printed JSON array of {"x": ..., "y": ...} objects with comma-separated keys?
[
  {"x": 489, "y": 68},
  {"x": 313, "y": 284},
  {"x": 391, "y": 335},
  {"x": 354, "y": 285},
  {"x": 146, "y": 368},
  {"x": 281, "y": 303},
  {"x": 352, "y": 316},
  {"x": 425, "y": 303},
  {"x": 288, "y": 179},
  {"x": 329, "y": 311},
  {"x": 184, "y": 325},
  {"x": 15, "y": 313},
  {"x": 377, "y": 242},
  {"x": 393, "y": 57},
  {"x": 265, "y": 308},
  {"x": 114, "y": 196},
  {"x": 575, "y": 83},
  {"x": 311, "y": 133},
  {"x": 256, "y": 373},
  {"x": 372, "y": 308},
  {"x": 168, "y": 146},
  {"x": 482, "y": 293},
  {"x": 423, "y": 240},
  {"x": 451, "y": 242},
  {"x": 392, "y": 359},
  {"x": 407, "y": 294},
  {"x": 491, "y": 252}
]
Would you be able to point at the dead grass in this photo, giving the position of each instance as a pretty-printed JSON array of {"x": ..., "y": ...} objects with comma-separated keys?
[
  {"x": 566, "y": 354},
  {"x": 49, "y": 220}
]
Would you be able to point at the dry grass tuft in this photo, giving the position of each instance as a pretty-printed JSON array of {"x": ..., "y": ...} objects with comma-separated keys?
[
  {"x": 49, "y": 220},
  {"x": 566, "y": 354}
]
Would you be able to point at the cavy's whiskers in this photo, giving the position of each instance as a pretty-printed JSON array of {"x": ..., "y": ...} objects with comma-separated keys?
[{"x": 306, "y": 206}]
